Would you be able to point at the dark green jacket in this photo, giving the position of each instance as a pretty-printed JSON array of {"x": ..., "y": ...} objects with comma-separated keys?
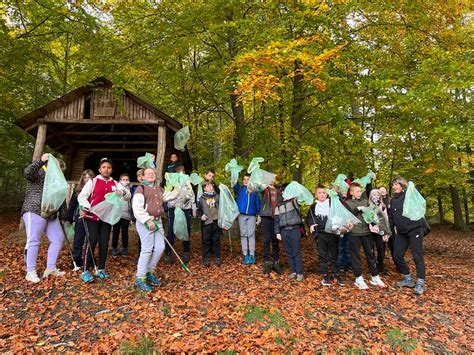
[{"x": 352, "y": 204}]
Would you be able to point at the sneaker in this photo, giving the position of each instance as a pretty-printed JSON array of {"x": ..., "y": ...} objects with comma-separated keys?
[
  {"x": 32, "y": 276},
  {"x": 54, "y": 272},
  {"x": 87, "y": 277},
  {"x": 326, "y": 281},
  {"x": 377, "y": 281},
  {"x": 217, "y": 261},
  {"x": 101, "y": 274},
  {"x": 152, "y": 280},
  {"x": 141, "y": 284},
  {"x": 114, "y": 252},
  {"x": 186, "y": 256},
  {"x": 339, "y": 280},
  {"x": 420, "y": 286},
  {"x": 252, "y": 260},
  {"x": 277, "y": 268},
  {"x": 360, "y": 283},
  {"x": 124, "y": 251},
  {"x": 299, "y": 277},
  {"x": 406, "y": 282},
  {"x": 246, "y": 260},
  {"x": 168, "y": 258},
  {"x": 292, "y": 276},
  {"x": 205, "y": 261},
  {"x": 267, "y": 267}
]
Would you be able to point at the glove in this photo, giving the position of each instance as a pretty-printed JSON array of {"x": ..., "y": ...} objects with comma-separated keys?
[
  {"x": 278, "y": 236},
  {"x": 312, "y": 228}
]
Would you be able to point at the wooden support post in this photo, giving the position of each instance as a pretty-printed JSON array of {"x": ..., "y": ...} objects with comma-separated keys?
[
  {"x": 40, "y": 140},
  {"x": 160, "y": 152}
]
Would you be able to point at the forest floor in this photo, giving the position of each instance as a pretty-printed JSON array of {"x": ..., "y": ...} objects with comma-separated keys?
[{"x": 236, "y": 308}]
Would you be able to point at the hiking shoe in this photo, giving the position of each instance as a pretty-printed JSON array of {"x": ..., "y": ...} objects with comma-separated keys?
[
  {"x": 54, "y": 272},
  {"x": 377, "y": 281},
  {"x": 141, "y": 285},
  {"x": 252, "y": 260},
  {"x": 87, "y": 277},
  {"x": 32, "y": 276},
  {"x": 292, "y": 276},
  {"x": 420, "y": 286},
  {"x": 246, "y": 260},
  {"x": 186, "y": 256},
  {"x": 267, "y": 267},
  {"x": 217, "y": 261},
  {"x": 101, "y": 274},
  {"x": 339, "y": 280},
  {"x": 124, "y": 251},
  {"x": 277, "y": 268},
  {"x": 299, "y": 277},
  {"x": 205, "y": 262},
  {"x": 406, "y": 282},
  {"x": 114, "y": 252},
  {"x": 152, "y": 280},
  {"x": 360, "y": 283},
  {"x": 326, "y": 281},
  {"x": 168, "y": 258}
]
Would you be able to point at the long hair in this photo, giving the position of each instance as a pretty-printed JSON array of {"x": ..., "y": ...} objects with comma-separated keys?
[{"x": 80, "y": 183}]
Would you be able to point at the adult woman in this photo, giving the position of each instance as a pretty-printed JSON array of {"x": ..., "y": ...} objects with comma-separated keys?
[{"x": 407, "y": 233}]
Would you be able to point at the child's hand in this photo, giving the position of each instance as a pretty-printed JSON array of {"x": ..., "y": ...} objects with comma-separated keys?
[
  {"x": 204, "y": 218},
  {"x": 82, "y": 213},
  {"x": 360, "y": 208},
  {"x": 312, "y": 228},
  {"x": 259, "y": 220},
  {"x": 45, "y": 157},
  {"x": 151, "y": 226},
  {"x": 278, "y": 236},
  {"x": 119, "y": 192}
]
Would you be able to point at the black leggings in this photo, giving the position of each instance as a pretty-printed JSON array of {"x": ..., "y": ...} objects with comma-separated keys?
[
  {"x": 414, "y": 240},
  {"x": 99, "y": 231},
  {"x": 123, "y": 225},
  {"x": 367, "y": 243}
]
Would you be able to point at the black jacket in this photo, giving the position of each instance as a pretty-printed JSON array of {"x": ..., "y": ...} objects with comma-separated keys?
[
  {"x": 312, "y": 218},
  {"x": 403, "y": 224}
]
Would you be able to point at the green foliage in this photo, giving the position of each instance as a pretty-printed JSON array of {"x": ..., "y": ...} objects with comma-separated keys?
[
  {"x": 145, "y": 346},
  {"x": 399, "y": 341},
  {"x": 273, "y": 318}
]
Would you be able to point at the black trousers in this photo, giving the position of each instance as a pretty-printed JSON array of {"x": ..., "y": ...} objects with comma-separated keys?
[
  {"x": 270, "y": 240},
  {"x": 414, "y": 240},
  {"x": 99, "y": 232},
  {"x": 123, "y": 225},
  {"x": 78, "y": 245},
  {"x": 327, "y": 252},
  {"x": 211, "y": 237},
  {"x": 367, "y": 243},
  {"x": 380, "y": 250},
  {"x": 389, "y": 244},
  {"x": 171, "y": 236}
]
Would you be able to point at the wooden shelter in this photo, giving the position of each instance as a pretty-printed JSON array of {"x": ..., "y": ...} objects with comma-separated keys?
[{"x": 96, "y": 121}]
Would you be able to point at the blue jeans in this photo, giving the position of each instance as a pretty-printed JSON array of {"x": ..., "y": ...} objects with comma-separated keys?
[
  {"x": 343, "y": 253},
  {"x": 292, "y": 241}
]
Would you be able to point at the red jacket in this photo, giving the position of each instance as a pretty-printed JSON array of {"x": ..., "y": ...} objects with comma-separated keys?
[{"x": 94, "y": 192}]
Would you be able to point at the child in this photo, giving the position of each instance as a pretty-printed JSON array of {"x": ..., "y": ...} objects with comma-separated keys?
[
  {"x": 139, "y": 180},
  {"x": 211, "y": 233},
  {"x": 124, "y": 223},
  {"x": 249, "y": 205},
  {"x": 185, "y": 201},
  {"x": 326, "y": 242},
  {"x": 174, "y": 162},
  {"x": 360, "y": 235},
  {"x": 36, "y": 225},
  {"x": 73, "y": 217},
  {"x": 93, "y": 193},
  {"x": 148, "y": 208},
  {"x": 267, "y": 214},
  {"x": 379, "y": 227},
  {"x": 288, "y": 227}
]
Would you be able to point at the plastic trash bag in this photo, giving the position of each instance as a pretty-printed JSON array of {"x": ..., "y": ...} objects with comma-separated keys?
[
  {"x": 254, "y": 164},
  {"x": 228, "y": 209},
  {"x": 176, "y": 179},
  {"x": 341, "y": 183},
  {"x": 69, "y": 230},
  {"x": 367, "y": 179},
  {"x": 181, "y": 138},
  {"x": 260, "y": 179},
  {"x": 54, "y": 189},
  {"x": 368, "y": 213},
  {"x": 180, "y": 225},
  {"x": 340, "y": 220},
  {"x": 234, "y": 169},
  {"x": 109, "y": 210},
  {"x": 414, "y": 206},
  {"x": 197, "y": 180},
  {"x": 146, "y": 161},
  {"x": 295, "y": 190}
]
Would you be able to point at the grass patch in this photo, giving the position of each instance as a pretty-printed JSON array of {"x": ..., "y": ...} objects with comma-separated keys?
[
  {"x": 399, "y": 341},
  {"x": 355, "y": 351},
  {"x": 271, "y": 318},
  {"x": 145, "y": 346},
  {"x": 166, "y": 309}
]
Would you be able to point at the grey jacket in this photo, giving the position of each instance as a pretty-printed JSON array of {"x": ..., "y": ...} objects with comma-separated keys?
[
  {"x": 185, "y": 199},
  {"x": 287, "y": 216},
  {"x": 203, "y": 207}
]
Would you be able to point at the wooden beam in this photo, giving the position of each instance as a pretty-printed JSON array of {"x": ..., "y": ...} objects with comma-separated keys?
[
  {"x": 71, "y": 133},
  {"x": 40, "y": 140},
  {"x": 111, "y": 142},
  {"x": 29, "y": 128},
  {"x": 99, "y": 121},
  {"x": 106, "y": 150},
  {"x": 160, "y": 152}
]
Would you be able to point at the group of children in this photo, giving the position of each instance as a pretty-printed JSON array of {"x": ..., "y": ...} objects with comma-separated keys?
[{"x": 280, "y": 220}]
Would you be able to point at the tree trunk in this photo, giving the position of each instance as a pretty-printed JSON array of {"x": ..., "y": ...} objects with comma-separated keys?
[
  {"x": 297, "y": 115},
  {"x": 466, "y": 205},
  {"x": 442, "y": 219},
  {"x": 458, "y": 217}
]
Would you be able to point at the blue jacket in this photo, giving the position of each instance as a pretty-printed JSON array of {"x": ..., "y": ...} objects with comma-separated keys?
[{"x": 248, "y": 203}]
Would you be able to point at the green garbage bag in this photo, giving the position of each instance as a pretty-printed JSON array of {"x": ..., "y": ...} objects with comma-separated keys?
[
  {"x": 176, "y": 179},
  {"x": 340, "y": 220},
  {"x": 260, "y": 179},
  {"x": 69, "y": 229},
  {"x": 341, "y": 183},
  {"x": 228, "y": 210},
  {"x": 54, "y": 188},
  {"x": 234, "y": 169},
  {"x": 109, "y": 210},
  {"x": 254, "y": 164},
  {"x": 197, "y": 180},
  {"x": 181, "y": 138},
  {"x": 180, "y": 225},
  {"x": 146, "y": 161},
  {"x": 367, "y": 179},
  {"x": 414, "y": 206},
  {"x": 368, "y": 213},
  {"x": 295, "y": 190}
]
